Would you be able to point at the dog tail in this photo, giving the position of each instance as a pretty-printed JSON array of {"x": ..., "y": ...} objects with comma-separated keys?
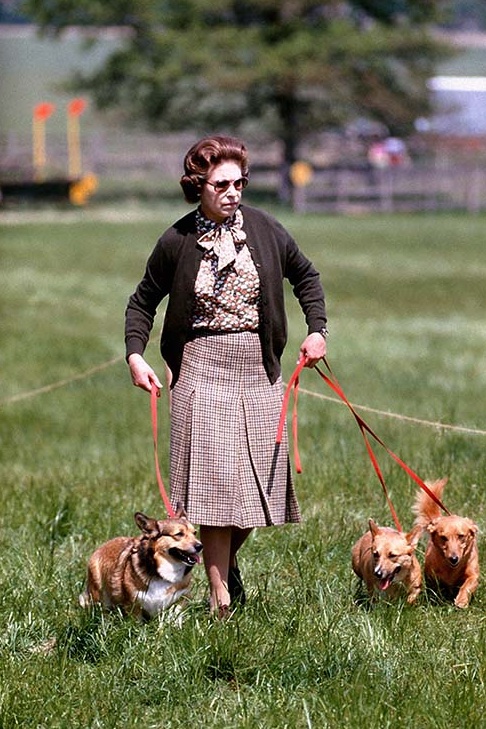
[{"x": 425, "y": 508}]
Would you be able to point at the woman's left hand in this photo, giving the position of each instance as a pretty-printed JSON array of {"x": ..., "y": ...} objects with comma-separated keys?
[{"x": 313, "y": 348}]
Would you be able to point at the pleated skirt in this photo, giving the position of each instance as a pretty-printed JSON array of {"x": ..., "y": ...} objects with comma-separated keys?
[{"x": 225, "y": 467}]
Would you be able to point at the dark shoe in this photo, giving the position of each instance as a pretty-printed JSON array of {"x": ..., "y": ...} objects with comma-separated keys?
[{"x": 235, "y": 587}]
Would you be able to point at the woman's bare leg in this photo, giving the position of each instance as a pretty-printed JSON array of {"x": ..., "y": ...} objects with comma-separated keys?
[
  {"x": 220, "y": 545},
  {"x": 216, "y": 543}
]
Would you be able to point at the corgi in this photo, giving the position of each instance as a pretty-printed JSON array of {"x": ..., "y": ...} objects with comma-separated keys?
[
  {"x": 451, "y": 560},
  {"x": 385, "y": 560},
  {"x": 146, "y": 574}
]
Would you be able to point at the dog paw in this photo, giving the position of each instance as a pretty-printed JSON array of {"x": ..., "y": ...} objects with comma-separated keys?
[{"x": 84, "y": 600}]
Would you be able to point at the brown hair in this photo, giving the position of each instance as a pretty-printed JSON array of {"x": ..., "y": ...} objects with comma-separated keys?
[{"x": 205, "y": 154}]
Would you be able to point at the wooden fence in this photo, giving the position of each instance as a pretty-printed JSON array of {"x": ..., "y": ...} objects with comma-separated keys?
[
  {"x": 424, "y": 187},
  {"x": 137, "y": 161}
]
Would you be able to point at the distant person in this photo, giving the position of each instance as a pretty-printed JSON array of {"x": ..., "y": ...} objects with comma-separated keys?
[
  {"x": 397, "y": 151},
  {"x": 378, "y": 156},
  {"x": 390, "y": 152},
  {"x": 222, "y": 267}
]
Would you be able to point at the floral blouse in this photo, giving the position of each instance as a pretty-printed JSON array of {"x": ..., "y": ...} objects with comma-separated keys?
[{"x": 227, "y": 286}]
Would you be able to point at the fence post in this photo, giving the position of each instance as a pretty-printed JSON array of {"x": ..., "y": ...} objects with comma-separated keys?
[{"x": 473, "y": 189}]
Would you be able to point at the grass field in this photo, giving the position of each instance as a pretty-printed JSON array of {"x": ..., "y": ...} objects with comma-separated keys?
[{"x": 406, "y": 302}]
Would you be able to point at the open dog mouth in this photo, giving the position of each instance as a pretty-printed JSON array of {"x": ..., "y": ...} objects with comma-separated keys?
[
  {"x": 189, "y": 558},
  {"x": 385, "y": 582}
]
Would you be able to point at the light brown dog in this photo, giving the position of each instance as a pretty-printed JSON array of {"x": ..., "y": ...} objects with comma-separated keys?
[
  {"x": 384, "y": 559},
  {"x": 451, "y": 557},
  {"x": 144, "y": 575}
]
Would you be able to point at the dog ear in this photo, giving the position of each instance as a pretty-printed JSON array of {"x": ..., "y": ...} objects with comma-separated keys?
[
  {"x": 373, "y": 527},
  {"x": 414, "y": 535},
  {"x": 180, "y": 511},
  {"x": 146, "y": 524}
]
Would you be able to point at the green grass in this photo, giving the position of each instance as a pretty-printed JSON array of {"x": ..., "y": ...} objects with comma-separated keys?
[{"x": 406, "y": 301}]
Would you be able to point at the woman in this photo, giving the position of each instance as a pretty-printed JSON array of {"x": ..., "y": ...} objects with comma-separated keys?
[{"x": 222, "y": 267}]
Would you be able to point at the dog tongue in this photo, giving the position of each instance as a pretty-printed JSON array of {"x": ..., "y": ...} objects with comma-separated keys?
[{"x": 385, "y": 583}]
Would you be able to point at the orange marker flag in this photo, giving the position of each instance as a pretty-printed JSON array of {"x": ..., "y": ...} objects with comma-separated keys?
[
  {"x": 44, "y": 110},
  {"x": 74, "y": 110},
  {"x": 41, "y": 113},
  {"x": 77, "y": 106}
]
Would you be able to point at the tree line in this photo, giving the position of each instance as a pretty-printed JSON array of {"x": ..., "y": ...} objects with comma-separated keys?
[{"x": 284, "y": 68}]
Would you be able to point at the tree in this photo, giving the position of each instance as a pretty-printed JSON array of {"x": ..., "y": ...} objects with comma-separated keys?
[{"x": 290, "y": 66}]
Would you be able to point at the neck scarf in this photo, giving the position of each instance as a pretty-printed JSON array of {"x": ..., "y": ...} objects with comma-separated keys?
[{"x": 221, "y": 237}]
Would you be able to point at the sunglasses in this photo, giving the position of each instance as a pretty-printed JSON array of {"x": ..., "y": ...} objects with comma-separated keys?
[{"x": 223, "y": 185}]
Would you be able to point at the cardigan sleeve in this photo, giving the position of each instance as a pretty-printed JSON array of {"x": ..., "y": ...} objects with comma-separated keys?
[
  {"x": 142, "y": 304},
  {"x": 281, "y": 258},
  {"x": 306, "y": 285}
]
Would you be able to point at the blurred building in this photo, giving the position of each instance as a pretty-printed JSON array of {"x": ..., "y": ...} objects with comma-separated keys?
[{"x": 460, "y": 104}]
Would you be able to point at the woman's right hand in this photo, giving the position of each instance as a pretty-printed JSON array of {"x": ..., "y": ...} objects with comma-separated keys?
[{"x": 142, "y": 374}]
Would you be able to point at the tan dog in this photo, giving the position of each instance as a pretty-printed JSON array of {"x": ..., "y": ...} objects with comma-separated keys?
[
  {"x": 451, "y": 558},
  {"x": 144, "y": 575},
  {"x": 384, "y": 559}
]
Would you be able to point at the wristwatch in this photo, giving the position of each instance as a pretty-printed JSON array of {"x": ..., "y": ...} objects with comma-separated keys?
[{"x": 324, "y": 332}]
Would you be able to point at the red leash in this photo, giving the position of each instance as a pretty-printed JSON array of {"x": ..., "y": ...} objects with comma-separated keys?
[
  {"x": 334, "y": 384},
  {"x": 293, "y": 383},
  {"x": 364, "y": 428},
  {"x": 154, "y": 394}
]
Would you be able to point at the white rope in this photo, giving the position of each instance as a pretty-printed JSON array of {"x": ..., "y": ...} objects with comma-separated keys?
[
  {"x": 104, "y": 365},
  {"x": 396, "y": 416},
  {"x": 61, "y": 383}
]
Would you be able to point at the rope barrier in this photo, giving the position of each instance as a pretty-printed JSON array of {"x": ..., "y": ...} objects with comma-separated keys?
[
  {"x": 61, "y": 383},
  {"x": 384, "y": 413}
]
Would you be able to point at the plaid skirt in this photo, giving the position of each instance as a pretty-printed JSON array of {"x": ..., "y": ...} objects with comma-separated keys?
[{"x": 224, "y": 464}]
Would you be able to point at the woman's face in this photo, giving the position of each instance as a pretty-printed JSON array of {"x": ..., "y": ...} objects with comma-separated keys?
[{"x": 219, "y": 204}]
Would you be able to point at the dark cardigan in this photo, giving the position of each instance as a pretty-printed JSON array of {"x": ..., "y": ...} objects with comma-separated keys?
[{"x": 172, "y": 269}]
